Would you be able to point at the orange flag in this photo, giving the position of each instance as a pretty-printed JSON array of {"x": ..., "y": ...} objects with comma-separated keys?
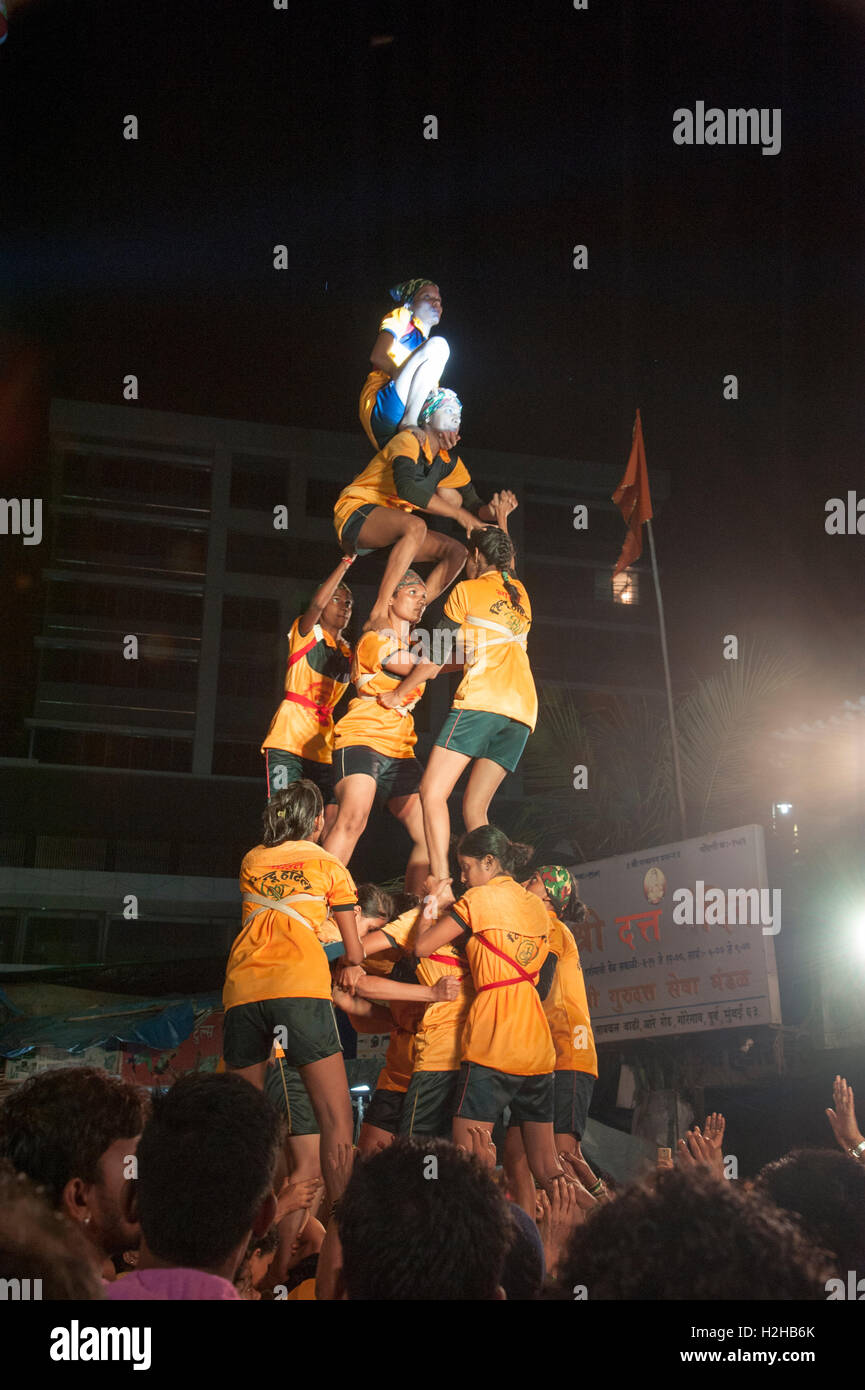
[{"x": 633, "y": 499}]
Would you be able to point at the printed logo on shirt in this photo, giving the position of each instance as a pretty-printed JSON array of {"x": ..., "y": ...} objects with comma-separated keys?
[
  {"x": 281, "y": 881},
  {"x": 527, "y": 952}
]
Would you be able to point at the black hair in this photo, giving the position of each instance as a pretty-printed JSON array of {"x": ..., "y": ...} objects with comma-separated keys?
[
  {"x": 57, "y": 1125},
  {"x": 205, "y": 1165},
  {"x": 291, "y": 813},
  {"x": 825, "y": 1191},
  {"x": 488, "y": 839},
  {"x": 375, "y": 902},
  {"x": 496, "y": 548},
  {"x": 37, "y": 1242},
  {"x": 525, "y": 1267},
  {"x": 736, "y": 1247},
  {"x": 403, "y": 902},
  {"x": 421, "y": 1220}
]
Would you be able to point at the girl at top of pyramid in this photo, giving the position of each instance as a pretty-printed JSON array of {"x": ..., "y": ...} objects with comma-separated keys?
[{"x": 407, "y": 363}]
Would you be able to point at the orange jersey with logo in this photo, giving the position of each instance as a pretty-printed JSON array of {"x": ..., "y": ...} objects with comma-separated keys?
[
  {"x": 439, "y": 1032},
  {"x": 498, "y": 678},
  {"x": 316, "y": 678},
  {"x": 566, "y": 1006},
  {"x": 276, "y": 956},
  {"x": 366, "y": 722},
  {"x": 506, "y": 1027},
  {"x": 377, "y": 484}
]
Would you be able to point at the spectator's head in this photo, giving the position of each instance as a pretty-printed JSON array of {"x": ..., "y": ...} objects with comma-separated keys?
[
  {"x": 74, "y": 1132},
  {"x": 205, "y": 1173},
  {"x": 689, "y": 1235},
  {"x": 525, "y": 1268},
  {"x": 39, "y": 1243},
  {"x": 422, "y": 1220},
  {"x": 825, "y": 1190}
]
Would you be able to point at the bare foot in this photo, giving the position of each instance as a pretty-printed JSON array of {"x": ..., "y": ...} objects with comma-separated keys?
[{"x": 378, "y": 618}]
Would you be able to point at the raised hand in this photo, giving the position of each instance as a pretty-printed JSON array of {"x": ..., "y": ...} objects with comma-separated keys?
[
  {"x": 562, "y": 1211},
  {"x": 694, "y": 1151},
  {"x": 296, "y": 1196},
  {"x": 843, "y": 1117},
  {"x": 713, "y": 1129},
  {"x": 576, "y": 1165},
  {"x": 340, "y": 1166}
]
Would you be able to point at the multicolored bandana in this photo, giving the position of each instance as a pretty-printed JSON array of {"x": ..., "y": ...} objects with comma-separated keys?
[
  {"x": 410, "y": 577},
  {"x": 405, "y": 293},
  {"x": 558, "y": 883},
  {"x": 434, "y": 400}
]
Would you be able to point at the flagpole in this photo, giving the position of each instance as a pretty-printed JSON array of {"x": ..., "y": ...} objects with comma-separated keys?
[{"x": 677, "y": 770}]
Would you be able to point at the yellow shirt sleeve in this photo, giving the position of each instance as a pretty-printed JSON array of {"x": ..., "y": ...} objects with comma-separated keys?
[{"x": 456, "y": 606}]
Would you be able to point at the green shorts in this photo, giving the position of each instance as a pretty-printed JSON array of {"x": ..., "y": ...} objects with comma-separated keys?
[
  {"x": 393, "y": 777},
  {"x": 429, "y": 1104},
  {"x": 481, "y": 735},
  {"x": 384, "y": 1110},
  {"x": 572, "y": 1092},
  {"x": 484, "y": 1092},
  {"x": 288, "y": 1095},
  {"x": 308, "y": 1031},
  {"x": 282, "y": 768}
]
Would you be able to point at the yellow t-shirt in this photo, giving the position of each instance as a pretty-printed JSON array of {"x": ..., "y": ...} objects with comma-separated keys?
[
  {"x": 367, "y": 723},
  {"x": 566, "y": 1006},
  {"x": 438, "y": 1039},
  {"x": 317, "y": 674},
  {"x": 376, "y": 483},
  {"x": 498, "y": 678},
  {"x": 506, "y": 1027},
  {"x": 275, "y": 956}
]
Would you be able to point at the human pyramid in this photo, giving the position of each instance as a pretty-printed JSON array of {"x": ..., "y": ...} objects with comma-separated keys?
[{"x": 482, "y": 994}]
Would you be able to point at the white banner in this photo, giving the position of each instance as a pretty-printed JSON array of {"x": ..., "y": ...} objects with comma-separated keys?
[{"x": 678, "y": 939}]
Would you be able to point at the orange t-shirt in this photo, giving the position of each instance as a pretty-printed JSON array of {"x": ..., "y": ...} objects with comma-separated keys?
[
  {"x": 275, "y": 956},
  {"x": 498, "y": 678},
  {"x": 376, "y": 484},
  {"x": 438, "y": 1039},
  {"x": 367, "y": 723},
  {"x": 566, "y": 1006},
  {"x": 506, "y": 1027},
  {"x": 317, "y": 675}
]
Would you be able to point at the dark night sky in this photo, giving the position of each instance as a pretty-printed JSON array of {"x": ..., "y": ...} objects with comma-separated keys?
[{"x": 555, "y": 127}]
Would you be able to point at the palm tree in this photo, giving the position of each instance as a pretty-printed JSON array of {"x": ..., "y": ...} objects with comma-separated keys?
[{"x": 630, "y": 802}]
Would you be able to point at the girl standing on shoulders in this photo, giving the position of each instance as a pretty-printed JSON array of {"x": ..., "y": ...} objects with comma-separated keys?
[
  {"x": 374, "y": 746},
  {"x": 299, "y": 742},
  {"x": 495, "y": 707}
]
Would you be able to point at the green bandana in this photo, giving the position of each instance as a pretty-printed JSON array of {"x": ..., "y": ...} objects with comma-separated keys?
[
  {"x": 410, "y": 577},
  {"x": 558, "y": 883},
  {"x": 405, "y": 293}
]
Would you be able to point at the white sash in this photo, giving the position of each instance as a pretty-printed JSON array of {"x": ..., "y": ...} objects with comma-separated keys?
[{"x": 272, "y": 905}]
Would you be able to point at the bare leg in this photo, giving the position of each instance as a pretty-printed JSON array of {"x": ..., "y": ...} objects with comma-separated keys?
[
  {"x": 442, "y": 772},
  {"x": 407, "y": 810},
  {"x": 371, "y": 1138},
  {"x": 327, "y": 1085},
  {"x": 518, "y": 1175},
  {"x": 451, "y": 556},
  {"x": 541, "y": 1152},
  {"x": 463, "y": 1128},
  {"x": 355, "y": 797},
  {"x": 303, "y": 1150},
  {"x": 419, "y": 375},
  {"x": 405, "y": 532},
  {"x": 331, "y": 811},
  {"x": 484, "y": 781},
  {"x": 255, "y": 1073}
]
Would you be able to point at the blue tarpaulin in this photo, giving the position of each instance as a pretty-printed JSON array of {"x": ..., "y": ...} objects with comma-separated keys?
[{"x": 154, "y": 1023}]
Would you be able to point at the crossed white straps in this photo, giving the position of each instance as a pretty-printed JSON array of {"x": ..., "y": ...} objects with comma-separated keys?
[
  {"x": 361, "y": 681},
  {"x": 272, "y": 905}
]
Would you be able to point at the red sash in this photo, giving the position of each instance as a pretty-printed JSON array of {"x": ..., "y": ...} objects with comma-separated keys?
[
  {"x": 517, "y": 980},
  {"x": 324, "y": 712},
  {"x": 449, "y": 960}
]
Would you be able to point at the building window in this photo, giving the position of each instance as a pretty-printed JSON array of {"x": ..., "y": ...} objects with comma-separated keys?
[
  {"x": 51, "y": 940},
  {"x": 623, "y": 588}
]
